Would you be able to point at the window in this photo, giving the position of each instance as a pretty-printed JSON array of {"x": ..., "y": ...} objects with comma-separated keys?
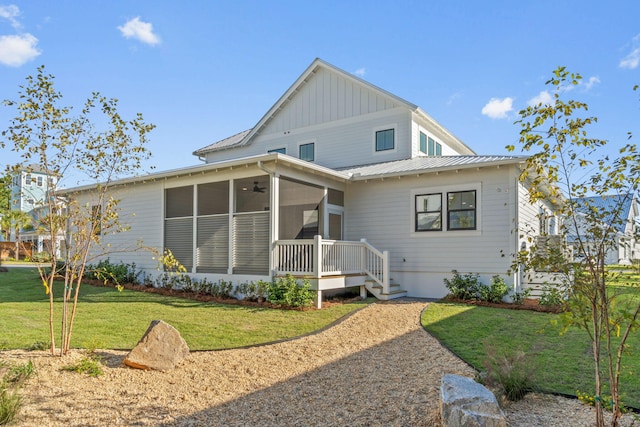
[
  {"x": 385, "y": 140},
  {"x": 429, "y": 212},
  {"x": 335, "y": 197},
  {"x": 282, "y": 150},
  {"x": 434, "y": 148},
  {"x": 307, "y": 152},
  {"x": 429, "y": 146},
  {"x": 461, "y": 210},
  {"x": 28, "y": 179},
  {"x": 178, "y": 224},
  {"x": 40, "y": 181}
]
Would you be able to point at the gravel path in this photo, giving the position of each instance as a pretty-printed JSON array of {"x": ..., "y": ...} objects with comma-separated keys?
[{"x": 378, "y": 367}]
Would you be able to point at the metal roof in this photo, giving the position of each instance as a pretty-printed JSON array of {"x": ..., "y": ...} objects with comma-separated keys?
[
  {"x": 224, "y": 143},
  {"x": 427, "y": 165},
  {"x": 616, "y": 208}
]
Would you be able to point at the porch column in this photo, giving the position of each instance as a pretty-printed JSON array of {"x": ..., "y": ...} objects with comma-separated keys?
[
  {"x": 231, "y": 241},
  {"x": 274, "y": 229}
]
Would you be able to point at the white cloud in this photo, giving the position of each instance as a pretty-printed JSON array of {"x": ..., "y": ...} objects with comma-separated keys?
[
  {"x": 498, "y": 108},
  {"x": 543, "y": 98},
  {"x": 10, "y": 12},
  {"x": 453, "y": 98},
  {"x": 591, "y": 82},
  {"x": 360, "y": 72},
  {"x": 632, "y": 60},
  {"x": 18, "y": 49},
  {"x": 139, "y": 30}
]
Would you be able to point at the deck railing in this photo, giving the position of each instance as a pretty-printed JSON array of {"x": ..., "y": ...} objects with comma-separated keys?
[{"x": 319, "y": 258}]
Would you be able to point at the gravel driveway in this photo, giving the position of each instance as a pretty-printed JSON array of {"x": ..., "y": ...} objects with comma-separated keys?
[{"x": 377, "y": 367}]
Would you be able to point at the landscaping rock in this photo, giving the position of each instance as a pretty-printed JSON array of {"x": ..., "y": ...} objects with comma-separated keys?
[
  {"x": 465, "y": 403},
  {"x": 161, "y": 348}
]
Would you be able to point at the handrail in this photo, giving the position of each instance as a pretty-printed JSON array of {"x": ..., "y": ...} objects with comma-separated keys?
[{"x": 319, "y": 258}]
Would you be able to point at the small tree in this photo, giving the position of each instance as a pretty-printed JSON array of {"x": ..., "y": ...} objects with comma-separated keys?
[
  {"x": 567, "y": 166},
  {"x": 16, "y": 221},
  {"x": 97, "y": 146}
]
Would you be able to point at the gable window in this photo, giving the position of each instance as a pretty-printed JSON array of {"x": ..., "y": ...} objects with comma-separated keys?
[
  {"x": 307, "y": 152},
  {"x": 461, "y": 210},
  {"x": 40, "y": 181},
  {"x": 385, "y": 140},
  {"x": 282, "y": 150},
  {"x": 434, "y": 148},
  {"x": 430, "y": 146},
  {"x": 429, "y": 212}
]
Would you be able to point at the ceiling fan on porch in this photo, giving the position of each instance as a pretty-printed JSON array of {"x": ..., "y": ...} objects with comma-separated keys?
[{"x": 257, "y": 188}]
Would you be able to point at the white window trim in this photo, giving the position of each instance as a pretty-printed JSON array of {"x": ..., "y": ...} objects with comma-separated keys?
[
  {"x": 315, "y": 149},
  {"x": 429, "y": 135},
  {"x": 444, "y": 189},
  {"x": 393, "y": 126}
]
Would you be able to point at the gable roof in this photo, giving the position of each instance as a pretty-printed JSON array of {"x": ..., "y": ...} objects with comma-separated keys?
[
  {"x": 429, "y": 164},
  {"x": 245, "y": 138},
  {"x": 615, "y": 206}
]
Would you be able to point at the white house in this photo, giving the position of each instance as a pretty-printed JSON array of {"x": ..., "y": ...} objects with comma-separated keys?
[
  {"x": 340, "y": 182},
  {"x": 618, "y": 211}
]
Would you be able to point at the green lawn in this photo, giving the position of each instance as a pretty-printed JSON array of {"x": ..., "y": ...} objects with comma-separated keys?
[
  {"x": 110, "y": 319},
  {"x": 563, "y": 363}
]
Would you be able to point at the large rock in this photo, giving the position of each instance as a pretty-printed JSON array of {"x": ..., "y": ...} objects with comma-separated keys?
[
  {"x": 465, "y": 403},
  {"x": 161, "y": 348}
]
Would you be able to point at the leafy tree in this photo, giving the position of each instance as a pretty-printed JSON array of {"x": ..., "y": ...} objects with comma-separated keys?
[
  {"x": 17, "y": 220},
  {"x": 97, "y": 145},
  {"x": 5, "y": 203},
  {"x": 567, "y": 166}
]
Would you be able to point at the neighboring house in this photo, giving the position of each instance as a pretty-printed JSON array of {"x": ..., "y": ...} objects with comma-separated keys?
[
  {"x": 340, "y": 182},
  {"x": 29, "y": 189},
  {"x": 618, "y": 211}
]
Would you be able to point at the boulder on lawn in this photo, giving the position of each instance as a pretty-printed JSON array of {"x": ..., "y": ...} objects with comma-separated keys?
[
  {"x": 161, "y": 348},
  {"x": 465, "y": 403}
]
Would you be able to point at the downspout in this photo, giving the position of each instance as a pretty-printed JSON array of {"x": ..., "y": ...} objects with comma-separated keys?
[{"x": 517, "y": 280}]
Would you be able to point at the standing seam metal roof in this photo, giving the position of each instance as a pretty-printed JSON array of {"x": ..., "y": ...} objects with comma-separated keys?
[{"x": 432, "y": 163}]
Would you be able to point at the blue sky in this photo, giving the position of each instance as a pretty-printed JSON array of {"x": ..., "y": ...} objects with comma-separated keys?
[{"x": 204, "y": 70}]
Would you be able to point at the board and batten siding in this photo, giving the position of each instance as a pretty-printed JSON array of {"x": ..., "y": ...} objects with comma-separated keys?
[{"x": 383, "y": 213}]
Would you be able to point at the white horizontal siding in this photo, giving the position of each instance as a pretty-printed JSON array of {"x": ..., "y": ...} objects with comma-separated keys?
[
  {"x": 382, "y": 212},
  {"x": 339, "y": 144}
]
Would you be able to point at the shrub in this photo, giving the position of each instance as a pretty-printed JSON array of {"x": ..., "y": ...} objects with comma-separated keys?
[
  {"x": 286, "y": 291},
  {"x": 253, "y": 291},
  {"x": 221, "y": 289},
  {"x": 494, "y": 292},
  {"x": 519, "y": 297},
  {"x": 119, "y": 273},
  {"x": 465, "y": 287},
  {"x": 551, "y": 295},
  {"x": 513, "y": 374}
]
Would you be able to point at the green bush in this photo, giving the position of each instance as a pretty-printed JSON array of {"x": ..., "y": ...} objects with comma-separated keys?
[
  {"x": 465, "y": 287},
  {"x": 286, "y": 291},
  {"x": 495, "y": 292},
  {"x": 253, "y": 291},
  {"x": 108, "y": 272},
  {"x": 551, "y": 295}
]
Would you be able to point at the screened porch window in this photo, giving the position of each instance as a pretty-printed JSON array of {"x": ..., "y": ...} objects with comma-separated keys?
[
  {"x": 299, "y": 209},
  {"x": 212, "y": 242},
  {"x": 251, "y": 225},
  {"x": 178, "y": 224}
]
